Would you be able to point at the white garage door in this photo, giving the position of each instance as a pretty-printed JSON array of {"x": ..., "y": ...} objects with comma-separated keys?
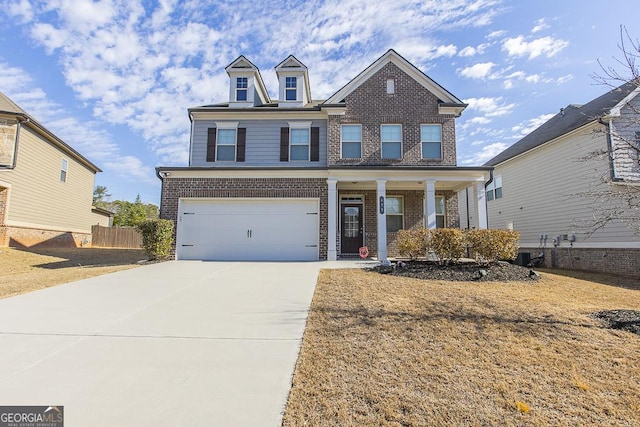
[{"x": 248, "y": 229}]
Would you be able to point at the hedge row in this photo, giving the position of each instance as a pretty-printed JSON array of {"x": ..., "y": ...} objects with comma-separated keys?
[{"x": 450, "y": 244}]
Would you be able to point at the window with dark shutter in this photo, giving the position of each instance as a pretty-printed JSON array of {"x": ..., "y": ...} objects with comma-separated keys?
[
  {"x": 211, "y": 145},
  {"x": 241, "y": 144},
  {"x": 284, "y": 144},
  {"x": 315, "y": 144}
]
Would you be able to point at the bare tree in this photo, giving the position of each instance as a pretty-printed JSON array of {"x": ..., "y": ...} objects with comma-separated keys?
[{"x": 616, "y": 197}]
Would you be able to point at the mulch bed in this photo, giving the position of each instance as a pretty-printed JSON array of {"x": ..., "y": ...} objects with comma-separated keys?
[
  {"x": 459, "y": 272},
  {"x": 626, "y": 320}
]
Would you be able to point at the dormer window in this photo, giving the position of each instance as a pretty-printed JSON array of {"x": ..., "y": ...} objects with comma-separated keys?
[
  {"x": 241, "y": 89},
  {"x": 291, "y": 88}
]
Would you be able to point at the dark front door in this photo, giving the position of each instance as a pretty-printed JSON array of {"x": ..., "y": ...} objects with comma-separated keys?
[{"x": 351, "y": 226}]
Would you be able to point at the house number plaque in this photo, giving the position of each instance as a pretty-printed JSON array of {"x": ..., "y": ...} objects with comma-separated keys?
[{"x": 381, "y": 205}]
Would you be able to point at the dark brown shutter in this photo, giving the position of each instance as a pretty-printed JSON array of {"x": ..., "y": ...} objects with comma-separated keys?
[
  {"x": 315, "y": 144},
  {"x": 211, "y": 145},
  {"x": 241, "y": 144},
  {"x": 284, "y": 144}
]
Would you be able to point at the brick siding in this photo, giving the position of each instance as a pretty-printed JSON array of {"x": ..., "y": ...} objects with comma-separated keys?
[
  {"x": 176, "y": 188},
  {"x": 600, "y": 260},
  {"x": 413, "y": 215},
  {"x": 411, "y": 105}
]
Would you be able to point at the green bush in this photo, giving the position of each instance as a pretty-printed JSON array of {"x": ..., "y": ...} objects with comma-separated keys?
[
  {"x": 157, "y": 236},
  {"x": 490, "y": 246},
  {"x": 413, "y": 243},
  {"x": 447, "y": 243}
]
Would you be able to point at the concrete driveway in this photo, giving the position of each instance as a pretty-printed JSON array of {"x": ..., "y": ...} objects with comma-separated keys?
[{"x": 177, "y": 343}]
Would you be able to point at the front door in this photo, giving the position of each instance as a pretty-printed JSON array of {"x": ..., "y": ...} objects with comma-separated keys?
[{"x": 351, "y": 235}]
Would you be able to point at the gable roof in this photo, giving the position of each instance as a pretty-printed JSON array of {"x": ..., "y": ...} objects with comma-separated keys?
[
  {"x": 242, "y": 65},
  {"x": 8, "y": 107},
  {"x": 291, "y": 63},
  {"x": 568, "y": 119},
  {"x": 445, "y": 97}
]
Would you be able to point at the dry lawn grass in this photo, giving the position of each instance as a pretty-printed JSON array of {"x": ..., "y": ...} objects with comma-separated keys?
[
  {"x": 32, "y": 269},
  {"x": 382, "y": 350}
]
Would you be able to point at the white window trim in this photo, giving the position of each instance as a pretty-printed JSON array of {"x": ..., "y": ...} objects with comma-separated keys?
[
  {"x": 382, "y": 142},
  {"x": 401, "y": 215},
  {"x": 64, "y": 167},
  {"x": 300, "y": 125},
  {"x": 286, "y": 89},
  {"x": 227, "y": 126},
  {"x": 341, "y": 140},
  {"x": 423, "y": 141},
  {"x": 246, "y": 89}
]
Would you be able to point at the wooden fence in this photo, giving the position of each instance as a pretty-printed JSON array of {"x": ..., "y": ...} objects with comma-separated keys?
[{"x": 116, "y": 237}]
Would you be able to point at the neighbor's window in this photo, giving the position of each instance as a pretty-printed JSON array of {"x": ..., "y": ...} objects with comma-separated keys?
[
  {"x": 440, "y": 212},
  {"x": 299, "y": 144},
  {"x": 241, "y": 89},
  {"x": 391, "y": 137},
  {"x": 394, "y": 206},
  {"x": 351, "y": 141},
  {"x": 431, "y": 138},
  {"x": 494, "y": 190},
  {"x": 291, "y": 88},
  {"x": 63, "y": 170},
  {"x": 226, "y": 147}
]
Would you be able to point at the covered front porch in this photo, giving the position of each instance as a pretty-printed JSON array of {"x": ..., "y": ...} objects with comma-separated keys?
[{"x": 369, "y": 207}]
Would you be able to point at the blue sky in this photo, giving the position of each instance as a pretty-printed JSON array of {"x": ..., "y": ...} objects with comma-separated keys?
[{"x": 114, "y": 78}]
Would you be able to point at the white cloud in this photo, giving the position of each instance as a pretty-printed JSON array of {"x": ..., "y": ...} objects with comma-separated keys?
[
  {"x": 564, "y": 79},
  {"x": 478, "y": 71},
  {"x": 490, "y": 107},
  {"x": 87, "y": 137},
  {"x": 540, "y": 25},
  {"x": 496, "y": 34},
  {"x": 142, "y": 64},
  {"x": 467, "y": 51},
  {"x": 20, "y": 10},
  {"x": 530, "y": 125},
  {"x": 486, "y": 153},
  {"x": 547, "y": 46}
]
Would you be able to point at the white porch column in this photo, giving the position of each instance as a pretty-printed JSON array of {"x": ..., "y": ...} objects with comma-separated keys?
[
  {"x": 381, "y": 202},
  {"x": 332, "y": 220},
  {"x": 482, "y": 206},
  {"x": 430, "y": 198}
]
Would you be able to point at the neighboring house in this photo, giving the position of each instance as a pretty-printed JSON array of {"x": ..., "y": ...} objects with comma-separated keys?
[
  {"x": 101, "y": 216},
  {"x": 298, "y": 179},
  {"x": 46, "y": 187},
  {"x": 545, "y": 186}
]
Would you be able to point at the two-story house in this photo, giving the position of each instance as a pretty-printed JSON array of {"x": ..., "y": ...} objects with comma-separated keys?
[
  {"x": 46, "y": 187},
  {"x": 557, "y": 183},
  {"x": 300, "y": 179}
]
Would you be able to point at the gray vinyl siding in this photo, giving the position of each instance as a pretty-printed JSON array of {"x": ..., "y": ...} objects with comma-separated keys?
[
  {"x": 262, "y": 144},
  {"x": 540, "y": 192}
]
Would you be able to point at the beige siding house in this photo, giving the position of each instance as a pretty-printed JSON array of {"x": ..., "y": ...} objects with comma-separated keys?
[
  {"x": 46, "y": 187},
  {"x": 545, "y": 187}
]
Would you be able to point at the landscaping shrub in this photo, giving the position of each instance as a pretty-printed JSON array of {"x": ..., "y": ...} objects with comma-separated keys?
[
  {"x": 490, "y": 246},
  {"x": 413, "y": 243},
  {"x": 447, "y": 243},
  {"x": 157, "y": 236}
]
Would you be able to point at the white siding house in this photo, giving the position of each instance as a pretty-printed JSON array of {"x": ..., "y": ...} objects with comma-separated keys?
[{"x": 545, "y": 186}]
